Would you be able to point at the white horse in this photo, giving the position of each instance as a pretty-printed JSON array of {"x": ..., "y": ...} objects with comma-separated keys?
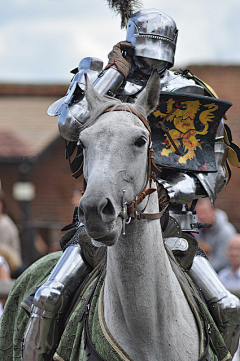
[{"x": 145, "y": 309}]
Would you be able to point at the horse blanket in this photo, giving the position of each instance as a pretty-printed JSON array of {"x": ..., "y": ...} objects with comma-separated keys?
[{"x": 72, "y": 346}]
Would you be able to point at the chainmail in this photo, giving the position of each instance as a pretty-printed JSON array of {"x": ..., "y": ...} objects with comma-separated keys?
[
  {"x": 92, "y": 254},
  {"x": 200, "y": 252}
]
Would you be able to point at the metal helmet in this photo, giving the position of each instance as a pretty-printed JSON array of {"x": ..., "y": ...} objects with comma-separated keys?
[{"x": 153, "y": 34}]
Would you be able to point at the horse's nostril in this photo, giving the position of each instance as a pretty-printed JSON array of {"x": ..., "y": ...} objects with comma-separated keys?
[
  {"x": 107, "y": 209},
  {"x": 101, "y": 207}
]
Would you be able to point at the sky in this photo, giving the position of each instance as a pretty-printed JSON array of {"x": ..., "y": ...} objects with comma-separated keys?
[{"x": 42, "y": 40}]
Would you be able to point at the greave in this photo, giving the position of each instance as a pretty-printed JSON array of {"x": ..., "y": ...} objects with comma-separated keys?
[
  {"x": 223, "y": 305},
  {"x": 50, "y": 304}
]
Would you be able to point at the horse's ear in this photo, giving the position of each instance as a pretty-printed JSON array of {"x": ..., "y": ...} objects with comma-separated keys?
[
  {"x": 149, "y": 97},
  {"x": 92, "y": 96}
]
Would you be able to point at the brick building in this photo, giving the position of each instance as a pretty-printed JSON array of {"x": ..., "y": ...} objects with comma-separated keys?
[
  {"x": 225, "y": 80},
  {"x": 31, "y": 150}
]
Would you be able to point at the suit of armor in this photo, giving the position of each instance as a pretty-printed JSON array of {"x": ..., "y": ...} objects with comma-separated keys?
[{"x": 153, "y": 36}]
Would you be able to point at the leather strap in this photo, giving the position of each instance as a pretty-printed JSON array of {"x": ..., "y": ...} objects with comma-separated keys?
[
  {"x": 151, "y": 168},
  {"x": 205, "y": 356},
  {"x": 130, "y": 110},
  {"x": 139, "y": 199},
  {"x": 141, "y": 215},
  {"x": 90, "y": 350}
]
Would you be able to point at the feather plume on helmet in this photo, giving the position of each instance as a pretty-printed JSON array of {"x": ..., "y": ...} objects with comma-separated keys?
[{"x": 125, "y": 8}]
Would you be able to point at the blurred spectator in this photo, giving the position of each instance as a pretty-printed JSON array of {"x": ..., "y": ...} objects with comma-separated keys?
[
  {"x": 13, "y": 261},
  {"x": 216, "y": 237},
  {"x": 9, "y": 234},
  {"x": 4, "y": 275},
  {"x": 230, "y": 276}
]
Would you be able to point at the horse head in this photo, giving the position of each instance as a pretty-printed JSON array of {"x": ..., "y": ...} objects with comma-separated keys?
[{"x": 115, "y": 144}]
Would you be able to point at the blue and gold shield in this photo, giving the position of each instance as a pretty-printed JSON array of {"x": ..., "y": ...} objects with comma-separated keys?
[{"x": 184, "y": 129}]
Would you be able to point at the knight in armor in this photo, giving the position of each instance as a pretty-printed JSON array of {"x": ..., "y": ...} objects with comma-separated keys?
[{"x": 150, "y": 44}]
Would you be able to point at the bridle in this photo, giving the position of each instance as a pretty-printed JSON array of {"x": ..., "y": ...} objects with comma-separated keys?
[{"x": 128, "y": 209}]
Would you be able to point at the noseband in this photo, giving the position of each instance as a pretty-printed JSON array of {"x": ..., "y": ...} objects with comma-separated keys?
[{"x": 128, "y": 210}]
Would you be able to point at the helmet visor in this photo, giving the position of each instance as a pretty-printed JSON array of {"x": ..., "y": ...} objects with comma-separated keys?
[{"x": 146, "y": 65}]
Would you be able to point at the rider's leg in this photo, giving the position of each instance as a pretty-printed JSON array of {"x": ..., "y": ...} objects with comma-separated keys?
[
  {"x": 223, "y": 305},
  {"x": 51, "y": 303}
]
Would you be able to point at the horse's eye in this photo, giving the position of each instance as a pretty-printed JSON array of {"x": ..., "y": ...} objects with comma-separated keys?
[{"x": 140, "y": 142}]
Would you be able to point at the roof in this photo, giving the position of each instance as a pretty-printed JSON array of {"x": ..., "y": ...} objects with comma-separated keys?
[
  {"x": 33, "y": 90},
  {"x": 13, "y": 145},
  {"x": 26, "y": 130}
]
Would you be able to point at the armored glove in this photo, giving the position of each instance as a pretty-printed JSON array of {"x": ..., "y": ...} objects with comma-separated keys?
[
  {"x": 224, "y": 307},
  {"x": 122, "y": 63},
  {"x": 226, "y": 313}
]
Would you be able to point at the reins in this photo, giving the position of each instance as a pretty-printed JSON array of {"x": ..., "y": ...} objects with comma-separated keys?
[{"x": 128, "y": 211}]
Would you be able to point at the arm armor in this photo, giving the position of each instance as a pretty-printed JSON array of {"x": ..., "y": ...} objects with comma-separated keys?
[
  {"x": 183, "y": 188},
  {"x": 72, "y": 110},
  {"x": 224, "y": 306},
  {"x": 50, "y": 304}
]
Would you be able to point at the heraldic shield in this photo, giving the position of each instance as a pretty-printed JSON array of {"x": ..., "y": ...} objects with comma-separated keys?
[{"x": 184, "y": 129}]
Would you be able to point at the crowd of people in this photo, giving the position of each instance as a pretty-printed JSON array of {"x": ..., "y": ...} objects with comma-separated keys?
[{"x": 214, "y": 240}]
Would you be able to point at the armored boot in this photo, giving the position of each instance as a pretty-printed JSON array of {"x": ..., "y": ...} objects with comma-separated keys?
[
  {"x": 223, "y": 305},
  {"x": 51, "y": 304}
]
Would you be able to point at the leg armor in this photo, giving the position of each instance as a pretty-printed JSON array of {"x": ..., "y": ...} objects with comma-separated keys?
[
  {"x": 223, "y": 305},
  {"x": 50, "y": 304}
]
